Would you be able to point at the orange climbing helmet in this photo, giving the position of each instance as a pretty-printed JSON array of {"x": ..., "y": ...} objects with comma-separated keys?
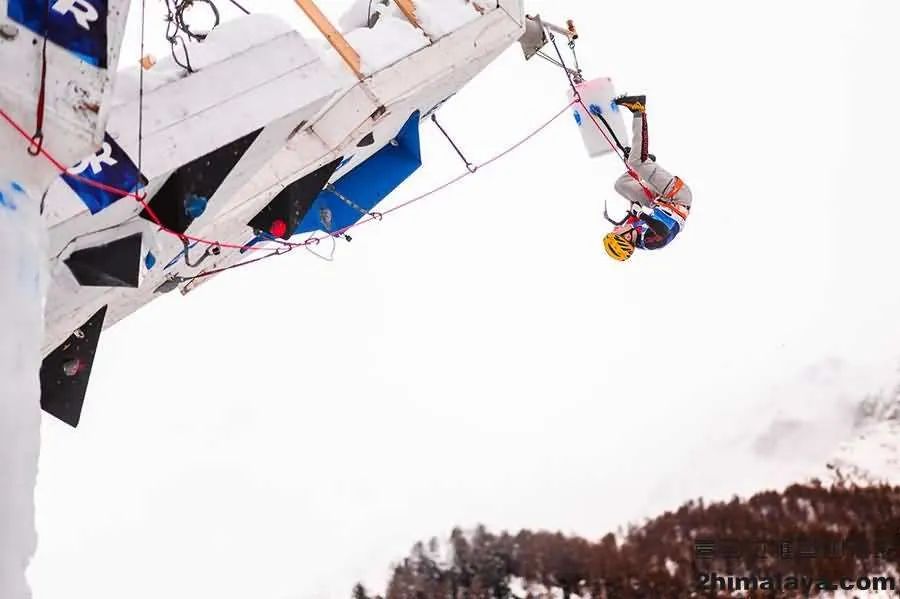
[{"x": 618, "y": 247}]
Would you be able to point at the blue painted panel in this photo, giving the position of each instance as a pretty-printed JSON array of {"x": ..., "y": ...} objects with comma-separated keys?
[
  {"x": 110, "y": 166},
  {"x": 79, "y": 26},
  {"x": 369, "y": 182}
]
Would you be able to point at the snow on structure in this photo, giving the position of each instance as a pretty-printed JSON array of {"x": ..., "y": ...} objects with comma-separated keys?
[
  {"x": 440, "y": 17},
  {"x": 22, "y": 281},
  {"x": 437, "y": 17},
  {"x": 259, "y": 113},
  {"x": 59, "y": 91},
  {"x": 265, "y": 116},
  {"x": 391, "y": 39}
]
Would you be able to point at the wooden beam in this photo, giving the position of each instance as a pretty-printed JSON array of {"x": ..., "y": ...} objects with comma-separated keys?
[
  {"x": 408, "y": 8},
  {"x": 334, "y": 37}
]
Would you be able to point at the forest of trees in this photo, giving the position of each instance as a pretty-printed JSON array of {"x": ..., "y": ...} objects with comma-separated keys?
[{"x": 807, "y": 530}]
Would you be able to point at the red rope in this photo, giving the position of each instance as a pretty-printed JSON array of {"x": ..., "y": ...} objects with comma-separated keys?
[
  {"x": 122, "y": 193},
  {"x": 314, "y": 240},
  {"x": 461, "y": 176},
  {"x": 647, "y": 192},
  {"x": 36, "y": 141},
  {"x": 377, "y": 216}
]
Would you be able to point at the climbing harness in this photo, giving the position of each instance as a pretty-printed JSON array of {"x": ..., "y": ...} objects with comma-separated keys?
[
  {"x": 677, "y": 184},
  {"x": 679, "y": 209}
]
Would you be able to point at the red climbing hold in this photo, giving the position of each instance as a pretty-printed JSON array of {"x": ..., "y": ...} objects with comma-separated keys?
[{"x": 278, "y": 228}]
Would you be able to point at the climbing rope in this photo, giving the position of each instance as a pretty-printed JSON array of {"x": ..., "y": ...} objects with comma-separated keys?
[
  {"x": 242, "y": 9},
  {"x": 621, "y": 150},
  {"x": 176, "y": 20},
  {"x": 286, "y": 246},
  {"x": 476, "y": 167},
  {"x": 176, "y": 25},
  {"x": 315, "y": 240},
  {"x": 174, "y": 39},
  {"x": 554, "y": 62},
  {"x": 140, "y": 198},
  {"x": 140, "y": 159},
  {"x": 37, "y": 139},
  {"x": 183, "y": 5},
  {"x": 215, "y": 246}
]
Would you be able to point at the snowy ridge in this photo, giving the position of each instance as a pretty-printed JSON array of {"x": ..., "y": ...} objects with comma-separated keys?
[{"x": 872, "y": 455}]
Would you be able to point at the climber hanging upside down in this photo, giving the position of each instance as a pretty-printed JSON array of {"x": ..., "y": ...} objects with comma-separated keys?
[{"x": 659, "y": 206}]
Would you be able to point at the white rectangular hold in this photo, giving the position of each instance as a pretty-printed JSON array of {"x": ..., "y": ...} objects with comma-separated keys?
[{"x": 599, "y": 138}]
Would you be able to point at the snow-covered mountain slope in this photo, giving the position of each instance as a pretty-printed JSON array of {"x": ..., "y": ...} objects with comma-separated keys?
[
  {"x": 846, "y": 420},
  {"x": 872, "y": 454},
  {"x": 785, "y": 428}
]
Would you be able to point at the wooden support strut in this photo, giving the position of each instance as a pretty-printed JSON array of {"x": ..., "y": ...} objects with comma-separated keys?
[
  {"x": 334, "y": 37},
  {"x": 409, "y": 11},
  {"x": 408, "y": 8}
]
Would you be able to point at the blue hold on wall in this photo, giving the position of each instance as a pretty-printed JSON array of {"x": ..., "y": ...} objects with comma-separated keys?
[
  {"x": 369, "y": 182},
  {"x": 110, "y": 166},
  {"x": 79, "y": 26}
]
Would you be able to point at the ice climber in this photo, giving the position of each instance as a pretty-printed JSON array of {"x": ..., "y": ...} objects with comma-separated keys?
[{"x": 659, "y": 207}]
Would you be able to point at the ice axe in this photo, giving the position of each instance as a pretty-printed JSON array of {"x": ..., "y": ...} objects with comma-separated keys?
[{"x": 608, "y": 218}]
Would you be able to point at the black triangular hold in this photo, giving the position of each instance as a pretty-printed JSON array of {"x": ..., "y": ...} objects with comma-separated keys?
[
  {"x": 366, "y": 141},
  {"x": 200, "y": 179},
  {"x": 281, "y": 217},
  {"x": 114, "y": 264},
  {"x": 65, "y": 372}
]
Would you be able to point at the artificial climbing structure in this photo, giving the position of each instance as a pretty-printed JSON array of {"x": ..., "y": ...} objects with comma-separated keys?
[{"x": 249, "y": 141}]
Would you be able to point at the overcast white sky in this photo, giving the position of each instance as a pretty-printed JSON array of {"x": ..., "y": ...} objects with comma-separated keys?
[{"x": 291, "y": 428}]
